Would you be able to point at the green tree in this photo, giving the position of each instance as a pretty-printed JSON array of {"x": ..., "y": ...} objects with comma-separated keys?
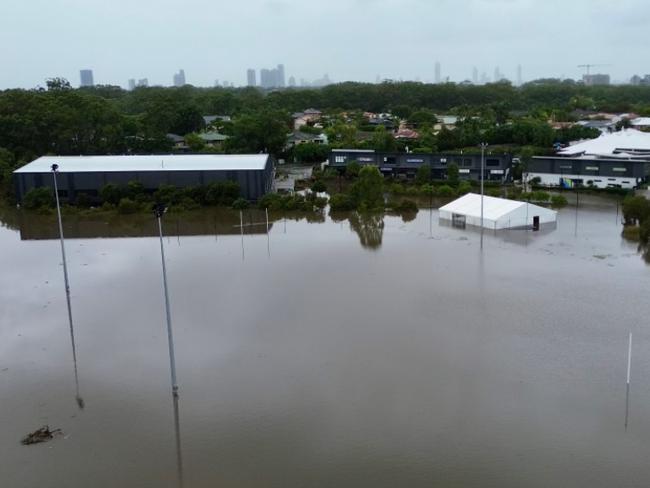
[
  {"x": 263, "y": 131},
  {"x": 383, "y": 140},
  {"x": 423, "y": 117},
  {"x": 452, "y": 174},
  {"x": 423, "y": 174},
  {"x": 352, "y": 169},
  {"x": 195, "y": 142},
  {"x": 310, "y": 152},
  {"x": 368, "y": 190},
  {"x": 636, "y": 209}
]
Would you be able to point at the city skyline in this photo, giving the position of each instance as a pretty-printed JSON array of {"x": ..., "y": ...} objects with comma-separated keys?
[{"x": 119, "y": 47}]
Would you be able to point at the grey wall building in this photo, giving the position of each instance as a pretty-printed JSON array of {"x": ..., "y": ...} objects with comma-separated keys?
[
  {"x": 497, "y": 166},
  {"x": 131, "y": 84},
  {"x": 86, "y": 76},
  {"x": 88, "y": 174},
  {"x": 600, "y": 172},
  {"x": 595, "y": 79}
]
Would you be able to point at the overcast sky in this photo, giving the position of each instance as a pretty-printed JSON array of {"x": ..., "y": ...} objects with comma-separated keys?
[{"x": 347, "y": 39}]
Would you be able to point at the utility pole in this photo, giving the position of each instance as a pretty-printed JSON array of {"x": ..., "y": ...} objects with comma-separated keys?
[
  {"x": 483, "y": 146},
  {"x": 80, "y": 401},
  {"x": 159, "y": 210}
]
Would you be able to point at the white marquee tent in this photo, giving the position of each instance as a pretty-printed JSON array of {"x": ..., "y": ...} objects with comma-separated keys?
[{"x": 498, "y": 213}]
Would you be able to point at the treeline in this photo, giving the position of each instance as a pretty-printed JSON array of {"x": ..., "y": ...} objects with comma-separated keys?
[{"x": 57, "y": 119}]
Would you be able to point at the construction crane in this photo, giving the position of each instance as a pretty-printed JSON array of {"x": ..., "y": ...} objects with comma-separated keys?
[{"x": 589, "y": 66}]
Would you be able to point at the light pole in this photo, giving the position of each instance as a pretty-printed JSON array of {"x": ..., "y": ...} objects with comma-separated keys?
[
  {"x": 483, "y": 146},
  {"x": 55, "y": 168},
  {"x": 159, "y": 210}
]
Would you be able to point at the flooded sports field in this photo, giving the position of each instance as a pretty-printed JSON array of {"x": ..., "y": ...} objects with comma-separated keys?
[{"x": 347, "y": 351}]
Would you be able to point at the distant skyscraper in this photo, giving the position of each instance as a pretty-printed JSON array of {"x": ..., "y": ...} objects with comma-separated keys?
[
  {"x": 179, "y": 78},
  {"x": 143, "y": 82},
  {"x": 266, "y": 80},
  {"x": 519, "y": 78},
  {"x": 86, "y": 76},
  {"x": 216, "y": 82},
  {"x": 131, "y": 84},
  {"x": 378, "y": 79},
  {"x": 475, "y": 75},
  {"x": 437, "y": 72},
  {"x": 250, "y": 77},
  {"x": 272, "y": 78},
  {"x": 280, "y": 76},
  {"x": 292, "y": 81},
  {"x": 498, "y": 76}
]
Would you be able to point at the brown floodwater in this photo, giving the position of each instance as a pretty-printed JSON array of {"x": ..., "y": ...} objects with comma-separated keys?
[{"x": 359, "y": 351}]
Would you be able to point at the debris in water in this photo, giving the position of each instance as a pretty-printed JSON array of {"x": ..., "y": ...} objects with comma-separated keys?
[{"x": 43, "y": 434}]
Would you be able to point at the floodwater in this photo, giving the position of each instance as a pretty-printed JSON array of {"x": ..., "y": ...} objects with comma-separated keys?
[{"x": 355, "y": 351}]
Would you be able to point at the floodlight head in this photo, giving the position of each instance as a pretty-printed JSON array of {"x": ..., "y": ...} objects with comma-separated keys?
[
  {"x": 55, "y": 167},
  {"x": 159, "y": 209}
]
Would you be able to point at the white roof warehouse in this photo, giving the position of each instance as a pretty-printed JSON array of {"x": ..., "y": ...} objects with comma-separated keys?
[{"x": 88, "y": 174}]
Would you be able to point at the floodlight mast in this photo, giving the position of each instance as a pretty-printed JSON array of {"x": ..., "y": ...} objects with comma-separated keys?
[{"x": 159, "y": 210}]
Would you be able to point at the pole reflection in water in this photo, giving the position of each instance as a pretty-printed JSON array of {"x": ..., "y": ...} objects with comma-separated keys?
[
  {"x": 177, "y": 432},
  {"x": 268, "y": 237},
  {"x": 241, "y": 226},
  {"x": 80, "y": 401},
  {"x": 627, "y": 387}
]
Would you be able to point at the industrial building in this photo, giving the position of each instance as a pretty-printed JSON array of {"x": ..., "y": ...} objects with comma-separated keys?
[
  {"x": 613, "y": 160},
  {"x": 88, "y": 174},
  {"x": 498, "y": 213},
  {"x": 497, "y": 166}
]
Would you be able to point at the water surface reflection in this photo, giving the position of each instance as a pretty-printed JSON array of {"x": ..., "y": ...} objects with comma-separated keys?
[{"x": 412, "y": 359}]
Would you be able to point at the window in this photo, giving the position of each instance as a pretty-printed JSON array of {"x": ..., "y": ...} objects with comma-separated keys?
[
  {"x": 467, "y": 162},
  {"x": 339, "y": 159},
  {"x": 492, "y": 162}
]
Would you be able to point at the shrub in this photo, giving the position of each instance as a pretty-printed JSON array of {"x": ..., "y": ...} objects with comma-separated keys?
[
  {"x": 540, "y": 196},
  {"x": 558, "y": 201},
  {"x": 134, "y": 188},
  {"x": 445, "y": 191},
  {"x": 83, "y": 200},
  {"x": 319, "y": 202},
  {"x": 240, "y": 204},
  {"x": 636, "y": 209},
  {"x": 272, "y": 201},
  {"x": 464, "y": 187},
  {"x": 167, "y": 195},
  {"x": 187, "y": 203},
  {"x": 111, "y": 193},
  {"x": 127, "y": 206},
  {"x": 407, "y": 206},
  {"x": 427, "y": 190},
  {"x": 341, "y": 202},
  {"x": 39, "y": 198},
  {"x": 352, "y": 169},
  {"x": 631, "y": 232},
  {"x": 318, "y": 186}
]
